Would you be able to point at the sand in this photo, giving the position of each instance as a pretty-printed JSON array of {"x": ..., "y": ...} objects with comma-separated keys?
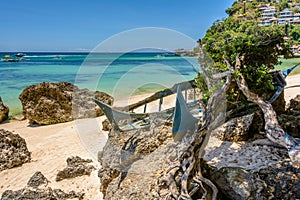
[
  {"x": 290, "y": 91},
  {"x": 52, "y": 145}
]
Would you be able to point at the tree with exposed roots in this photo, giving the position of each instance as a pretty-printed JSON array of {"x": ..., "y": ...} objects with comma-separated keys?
[{"x": 235, "y": 56}]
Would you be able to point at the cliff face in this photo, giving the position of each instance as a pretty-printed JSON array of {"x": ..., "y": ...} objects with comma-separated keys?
[{"x": 50, "y": 103}]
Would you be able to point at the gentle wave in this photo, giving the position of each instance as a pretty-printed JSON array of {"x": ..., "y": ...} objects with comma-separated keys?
[{"x": 52, "y": 56}]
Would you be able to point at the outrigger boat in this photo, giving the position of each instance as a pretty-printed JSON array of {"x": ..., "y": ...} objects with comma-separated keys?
[
  {"x": 124, "y": 121},
  {"x": 185, "y": 115}
]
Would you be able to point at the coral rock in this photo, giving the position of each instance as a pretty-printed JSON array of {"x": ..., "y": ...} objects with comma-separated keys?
[
  {"x": 50, "y": 103},
  {"x": 76, "y": 167},
  {"x": 13, "y": 150}
]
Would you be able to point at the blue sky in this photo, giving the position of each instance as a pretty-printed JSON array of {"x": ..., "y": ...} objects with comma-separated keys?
[{"x": 72, "y": 25}]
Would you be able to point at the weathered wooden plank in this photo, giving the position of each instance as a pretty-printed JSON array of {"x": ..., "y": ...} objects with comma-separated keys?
[{"x": 161, "y": 94}]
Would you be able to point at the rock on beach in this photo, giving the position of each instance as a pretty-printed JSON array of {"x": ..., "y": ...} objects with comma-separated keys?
[{"x": 50, "y": 103}]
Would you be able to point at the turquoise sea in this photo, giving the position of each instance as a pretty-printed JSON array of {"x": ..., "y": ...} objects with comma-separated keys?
[{"x": 115, "y": 73}]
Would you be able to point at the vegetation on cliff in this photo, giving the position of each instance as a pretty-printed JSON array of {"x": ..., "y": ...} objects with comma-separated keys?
[{"x": 260, "y": 47}]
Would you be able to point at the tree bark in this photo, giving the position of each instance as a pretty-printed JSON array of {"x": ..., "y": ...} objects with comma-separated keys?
[{"x": 273, "y": 130}]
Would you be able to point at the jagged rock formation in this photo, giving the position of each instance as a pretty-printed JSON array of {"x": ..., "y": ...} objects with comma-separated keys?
[
  {"x": 4, "y": 110},
  {"x": 106, "y": 126},
  {"x": 236, "y": 129},
  {"x": 37, "y": 188},
  {"x": 76, "y": 167},
  {"x": 290, "y": 120},
  {"x": 50, "y": 103},
  {"x": 130, "y": 162},
  {"x": 13, "y": 150},
  {"x": 280, "y": 181},
  {"x": 37, "y": 180}
]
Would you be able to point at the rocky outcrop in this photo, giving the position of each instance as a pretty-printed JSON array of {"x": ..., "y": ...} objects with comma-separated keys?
[
  {"x": 37, "y": 188},
  {"x": 131, "y": 163},
  {"x": 280, "y": 181},
  {"x": 134, "y": 165},
  {"x": 4, "y": 110},
  {"x": 76, "y": 167},
  {"x": 294, "y": 106},
  {"x": 50, "y": 103},
  {"x": 13, "y": 150}
]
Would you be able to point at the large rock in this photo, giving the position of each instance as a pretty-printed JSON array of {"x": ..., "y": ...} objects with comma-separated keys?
[
  {"x": 37, "y": 188},
  {"x": 251, "y": 170},
  {"x": 4, "y": 110},
  {"x": 235, "y": 130},
  {"x": 290, "y": 120},
  {"x": 131, "y": 163},
  {"x": 50, "y": 103},
  {"x": 280, "y": 181},
  {"x": 13, "y": 150},
  {"x": 76, "y": 167},
  {"x": 294, "y": 106},
  {"x": 237, "y": 183}
]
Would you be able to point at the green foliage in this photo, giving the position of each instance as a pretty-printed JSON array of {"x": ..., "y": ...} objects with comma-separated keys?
[
  {"x": 294, "y": 33},
  {"x": 283, "y": 4},
  {"x": 202, "y": 86},
  {"x": 233, "y": 9},
  {"x": 259, "y": 46}
]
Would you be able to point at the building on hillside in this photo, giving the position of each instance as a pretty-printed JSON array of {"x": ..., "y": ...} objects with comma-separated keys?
[
  {"x": 263, "y": 7},
  {"x": 285, "y": 16},
  {"x": 269, "y": 16},
  {"x": 288, "y": 17}
]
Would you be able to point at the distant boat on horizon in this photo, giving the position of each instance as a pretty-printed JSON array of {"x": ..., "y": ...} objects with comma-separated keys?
[{"x": 20, "y": 55}]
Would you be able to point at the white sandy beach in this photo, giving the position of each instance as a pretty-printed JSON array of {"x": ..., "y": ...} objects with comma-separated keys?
[{"x": 52, "y": 145}]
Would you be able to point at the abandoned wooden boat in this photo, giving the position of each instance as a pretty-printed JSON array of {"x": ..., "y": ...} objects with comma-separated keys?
[{"x": 123, "y": 121}]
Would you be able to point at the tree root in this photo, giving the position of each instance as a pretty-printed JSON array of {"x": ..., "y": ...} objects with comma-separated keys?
[
  {"x": 192, "y": 181},
  {"x": 273, "y": 130}
]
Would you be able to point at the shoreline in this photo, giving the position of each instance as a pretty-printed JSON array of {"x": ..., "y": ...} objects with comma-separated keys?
[{"x": 289, "y": 92}]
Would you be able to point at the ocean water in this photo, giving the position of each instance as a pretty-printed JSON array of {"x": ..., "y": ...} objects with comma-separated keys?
[{"x": 120, "y": 75}]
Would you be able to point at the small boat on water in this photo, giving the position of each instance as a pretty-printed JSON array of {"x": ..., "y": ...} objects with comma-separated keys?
[
  {"x": 8, "y": 58},
  {"x": 19, "y": 55}
]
